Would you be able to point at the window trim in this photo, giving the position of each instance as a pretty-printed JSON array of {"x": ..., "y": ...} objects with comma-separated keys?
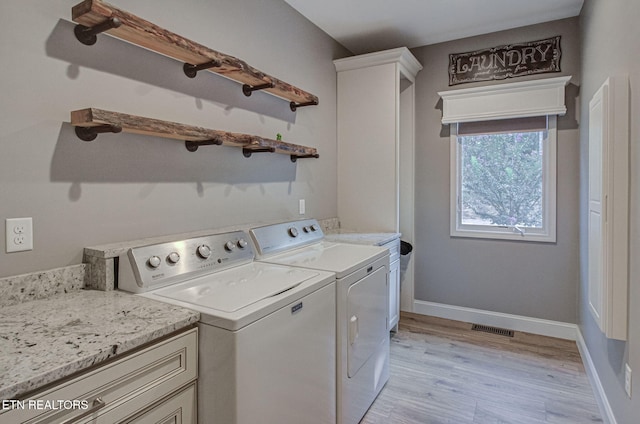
[
  {"x": 546, "y": 234},
  {"x": 501, "y": 101}
]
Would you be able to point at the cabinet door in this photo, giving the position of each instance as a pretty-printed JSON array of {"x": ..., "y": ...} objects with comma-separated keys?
[
  {"x": 118, "y": 389},
  {"x": 394, "y": 283},
  {"x": 608, "y": 255},
  {"x": 394, "y": 294},
  {"x": 367, "y": 148},
  {"x": 597, "y": 203},
  {"x": 178, "y": 409}
]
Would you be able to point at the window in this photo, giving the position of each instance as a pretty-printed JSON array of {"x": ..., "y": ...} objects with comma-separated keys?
[
  {"x": 503, "y": 158},
  {"x": 503, "y": 179}
]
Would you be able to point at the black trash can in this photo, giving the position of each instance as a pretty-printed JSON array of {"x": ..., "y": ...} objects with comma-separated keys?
[{"x": 405, "y": 247}]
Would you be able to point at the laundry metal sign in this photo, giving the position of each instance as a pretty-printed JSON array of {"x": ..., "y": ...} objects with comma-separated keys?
[{"x": 512, "y": 60}]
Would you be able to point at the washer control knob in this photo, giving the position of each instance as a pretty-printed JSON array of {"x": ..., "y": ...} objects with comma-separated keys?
[
  {"x": 229, "y": 246},
  {"x": 173, "y": 257},
  {"x": 204, "y": 251},
  {"x": 242, "y": 243},
  {"x": 315, "y": 227},
  {"x": 306, "y": 229},
  {"x": 293, "y": 232},
  {"x": 154, "y": 261}
]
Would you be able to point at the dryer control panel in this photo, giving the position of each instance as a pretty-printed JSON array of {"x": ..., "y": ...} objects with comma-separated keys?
[{"x": 286, "y": 235}]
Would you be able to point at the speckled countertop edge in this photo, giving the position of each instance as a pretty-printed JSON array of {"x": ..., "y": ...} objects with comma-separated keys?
[
  {"x": 42, "y": 284},
  {"x": 45, "y": 340}
]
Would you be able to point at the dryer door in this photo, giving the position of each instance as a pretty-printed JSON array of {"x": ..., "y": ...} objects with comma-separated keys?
[{"x": 367, "y": 303}]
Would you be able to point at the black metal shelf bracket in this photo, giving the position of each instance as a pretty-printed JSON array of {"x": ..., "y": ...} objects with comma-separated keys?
[
  {"x": 294, "y": 105},
  {"x": 192, "y": 146},
  {"x": 247, "y": 152},
  {"x": 294, "y": 158},
  {"x": 192, "y": 70},
  {"x": 90, "y": 133},
  {"x": 88, "y": 35},
  {"x": 248, "y": 89}
]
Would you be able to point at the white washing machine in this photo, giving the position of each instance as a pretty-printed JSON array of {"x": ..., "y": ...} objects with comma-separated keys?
[
  {"x": 266, "y": 332},
  {"x": 362, "y": 299}
]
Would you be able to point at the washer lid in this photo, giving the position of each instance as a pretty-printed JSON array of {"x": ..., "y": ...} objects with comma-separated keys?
[
  {"x": 258, "y": 289},
  {"x": 231, "y": 290}
]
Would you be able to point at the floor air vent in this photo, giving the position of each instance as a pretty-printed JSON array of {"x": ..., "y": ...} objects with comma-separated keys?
[{"x": 493, "y": 330}]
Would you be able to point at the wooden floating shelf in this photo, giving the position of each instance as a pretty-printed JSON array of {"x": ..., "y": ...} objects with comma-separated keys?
[
  {"x": 95, "y": 16},
  {"x": 90, "y": 122}
]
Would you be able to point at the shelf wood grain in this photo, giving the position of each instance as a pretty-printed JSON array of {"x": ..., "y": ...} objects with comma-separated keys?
[
  {"x": 141, "y": 32},
  {"x": 92, "y": 117}
]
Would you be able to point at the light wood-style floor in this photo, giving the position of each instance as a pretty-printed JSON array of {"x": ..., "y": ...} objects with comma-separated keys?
[{"x": 442, "y": 372}]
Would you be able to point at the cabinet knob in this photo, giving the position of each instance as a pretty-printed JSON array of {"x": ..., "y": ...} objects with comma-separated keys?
[{"x": 96, "y": 405}]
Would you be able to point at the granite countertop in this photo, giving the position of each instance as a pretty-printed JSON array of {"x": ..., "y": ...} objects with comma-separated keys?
[
  {"x": 375, "y": 239},
  {"x": 44, "y": 340}
]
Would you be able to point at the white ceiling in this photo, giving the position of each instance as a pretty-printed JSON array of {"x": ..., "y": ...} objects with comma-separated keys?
[{"x": 365, "y": 26}]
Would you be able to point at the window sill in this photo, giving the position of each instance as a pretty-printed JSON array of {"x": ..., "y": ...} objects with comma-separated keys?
[{"x": 505, "y": 235}]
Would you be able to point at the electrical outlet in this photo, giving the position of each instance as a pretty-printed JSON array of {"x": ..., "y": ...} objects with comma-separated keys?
[
  {"x": 19, "y": 234},
  {"x": 301, "y": 207},
  {"x": 627, "y": 379}
]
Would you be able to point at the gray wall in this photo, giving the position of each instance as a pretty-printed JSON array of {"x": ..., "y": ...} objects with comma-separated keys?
[
  {"x": 124, "y": 187},
  {"x": 530, "y": 279},
  {"x": 611, "y": 34}
]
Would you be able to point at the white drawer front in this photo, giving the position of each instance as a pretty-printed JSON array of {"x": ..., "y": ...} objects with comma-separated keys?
[
  {"x": 178, "y": 409},
  {"x": 125, "y": 386}
]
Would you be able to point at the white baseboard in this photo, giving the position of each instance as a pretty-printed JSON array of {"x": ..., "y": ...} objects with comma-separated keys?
[
  {"x": 561, "y": 330},
  {"x": 594, "y": 379}
]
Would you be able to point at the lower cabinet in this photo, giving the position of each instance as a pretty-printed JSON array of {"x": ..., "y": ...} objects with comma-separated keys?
[
  {"x": 178, "y": 409},
  {"x": 153, "y": 385},
  {"x": 394, "y": 295},
  {"x": 394, "y": 283}
]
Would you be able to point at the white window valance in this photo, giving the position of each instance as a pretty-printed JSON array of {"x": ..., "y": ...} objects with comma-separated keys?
[{"x": 512, "y": 100}]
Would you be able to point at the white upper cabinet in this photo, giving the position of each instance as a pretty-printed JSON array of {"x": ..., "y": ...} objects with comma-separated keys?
[
  {"x": 376, "y": 113},
  {"x": 608, "y": 220},
  {"x": 376, "y": 150}
]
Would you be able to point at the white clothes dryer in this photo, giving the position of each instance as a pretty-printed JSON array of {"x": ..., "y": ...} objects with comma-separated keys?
[{"x": 362, "y": 299}]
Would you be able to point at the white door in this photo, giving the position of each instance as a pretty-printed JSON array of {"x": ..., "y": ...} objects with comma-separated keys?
[
  {"x": 597, "y": 205},
  {"x": 367, "y": 303},
  {"x": 609, "y": 207}
]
